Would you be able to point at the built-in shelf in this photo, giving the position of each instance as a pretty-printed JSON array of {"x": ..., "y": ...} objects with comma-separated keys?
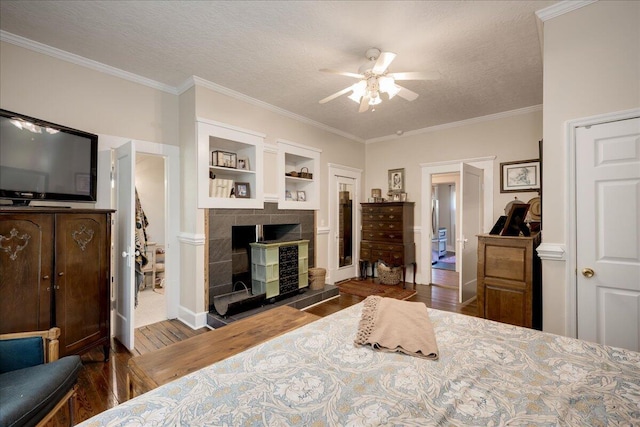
[
  {"x": 215, "y": 182},
  {"x": 295, "y": 192}
]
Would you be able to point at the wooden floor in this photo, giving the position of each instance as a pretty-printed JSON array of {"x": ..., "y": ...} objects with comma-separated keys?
[{"x": 103, "y": 385}]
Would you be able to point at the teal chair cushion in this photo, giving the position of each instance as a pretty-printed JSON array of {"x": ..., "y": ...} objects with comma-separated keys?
[{"x": 20, "y": 353}]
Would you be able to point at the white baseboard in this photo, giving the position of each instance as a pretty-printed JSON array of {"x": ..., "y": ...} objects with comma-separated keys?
[{"x": 191, "y": 319}]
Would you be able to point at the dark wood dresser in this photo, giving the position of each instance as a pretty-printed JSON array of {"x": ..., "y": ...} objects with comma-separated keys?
[
  {"x": 55, "y": 271},
  {"x": 387, "y": 235},
  {"x": 509, "y": 280}
]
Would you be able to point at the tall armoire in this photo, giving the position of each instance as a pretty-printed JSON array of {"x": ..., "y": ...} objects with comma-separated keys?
[{"x": 55, "y": 271}]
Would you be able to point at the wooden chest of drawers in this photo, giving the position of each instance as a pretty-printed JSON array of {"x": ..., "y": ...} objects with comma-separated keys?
[{"x": 387, "y": 234}]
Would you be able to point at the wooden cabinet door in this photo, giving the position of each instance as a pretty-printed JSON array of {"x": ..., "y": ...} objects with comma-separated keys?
[
  {"x": 81, "y": 296},
  {"x": 26, "y": 261}
]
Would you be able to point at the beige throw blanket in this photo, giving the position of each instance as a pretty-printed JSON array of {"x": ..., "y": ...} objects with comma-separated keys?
[{"x": 392, "y": 325}]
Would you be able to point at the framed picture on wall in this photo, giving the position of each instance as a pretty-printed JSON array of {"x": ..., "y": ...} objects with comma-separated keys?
[
  {"x": 520, "y": 176},
  {"x": 396, "y": 181}
]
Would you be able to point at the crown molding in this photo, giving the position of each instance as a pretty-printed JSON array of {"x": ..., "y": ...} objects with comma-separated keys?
[
  {"x": 561, "y": 8},
  {"x": 178, "y": 90},
  {"x": 84, "y": 62},
  {"x": 198, "y": 81},
  {"x": 460, "y": 123}
]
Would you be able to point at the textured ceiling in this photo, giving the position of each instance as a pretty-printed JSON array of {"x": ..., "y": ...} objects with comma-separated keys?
[{"x": 487, "y": 52}]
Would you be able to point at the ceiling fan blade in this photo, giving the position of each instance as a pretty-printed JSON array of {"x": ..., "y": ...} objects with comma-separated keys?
[
  {"x": 364, "y": 104},
  {"x": 335, "y": 95},
  {"x": 383, "y": 62},
  {"x": 407, "y": 94},
  {"x": 416, "y": 75},
  {"x": 342, "y": 73}
]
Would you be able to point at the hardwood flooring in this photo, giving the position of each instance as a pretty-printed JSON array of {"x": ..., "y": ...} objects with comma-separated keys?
[{"x": 104, "y": 385}]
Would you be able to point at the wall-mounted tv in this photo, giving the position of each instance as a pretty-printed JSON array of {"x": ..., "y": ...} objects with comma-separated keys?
[{"x": 45, "y": 161}]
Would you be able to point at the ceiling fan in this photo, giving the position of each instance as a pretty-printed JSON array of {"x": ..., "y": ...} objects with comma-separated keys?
[{"x": 375, "y": 79}]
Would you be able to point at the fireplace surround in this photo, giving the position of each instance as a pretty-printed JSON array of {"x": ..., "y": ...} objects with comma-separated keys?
[{"x": 228, "y": 265}]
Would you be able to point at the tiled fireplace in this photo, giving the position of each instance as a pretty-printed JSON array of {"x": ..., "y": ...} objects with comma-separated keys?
[{"x": 230, "y": 232}]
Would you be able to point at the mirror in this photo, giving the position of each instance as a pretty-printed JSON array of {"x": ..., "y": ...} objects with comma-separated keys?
[{"x": 345, "y": 224}]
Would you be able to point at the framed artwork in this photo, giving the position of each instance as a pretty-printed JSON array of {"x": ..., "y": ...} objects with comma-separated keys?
[
  {"x": 224, "y": 159},
  {"x": 242, "y": 190},
  {"x": 396, "y": 181},
  {"x": 302, "y": 197},
  {"x": 287, "y": 195},
  {"x": 520, "y": 176}
]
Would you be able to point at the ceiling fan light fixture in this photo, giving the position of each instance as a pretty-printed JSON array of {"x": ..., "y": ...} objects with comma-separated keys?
[
  {"x": 359, "y": 89},
  {"x": 389, "y": 86},
  {"x": 375, "y": 100}
]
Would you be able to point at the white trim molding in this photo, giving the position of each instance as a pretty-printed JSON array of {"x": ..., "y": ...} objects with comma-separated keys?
[
  {"x": 460, "y": 123},
  {"x": 551, "y": 251},
  {"x": 192, "y": 239},
  {"x": 322, "y": 230},
  {"x": 191, "y": 319},
  {"x": 84, "y": 62},
  {"x": 270, "y": 198},
  {"x": 561, "y": 8}
]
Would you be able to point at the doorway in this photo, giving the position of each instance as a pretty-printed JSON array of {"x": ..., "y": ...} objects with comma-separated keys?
[
  {"x": 484, "y": 206},
  {"x": 151, "y": 304},
  {"x": 122, "y": 293},
  {"x": 444, "y": 205},
  {"x": 344, "y": 220}
]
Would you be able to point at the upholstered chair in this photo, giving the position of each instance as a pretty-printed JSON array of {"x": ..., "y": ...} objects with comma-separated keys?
[{"x": 34, "y": 382}]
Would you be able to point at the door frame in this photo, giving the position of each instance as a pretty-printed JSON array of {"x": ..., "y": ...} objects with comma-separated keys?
[
  {"x": 172, "y": 209},
  {"x": 336, "y": 170},
  {"x": 449, "y": 166},
  {"x": 571, "y": 232}
]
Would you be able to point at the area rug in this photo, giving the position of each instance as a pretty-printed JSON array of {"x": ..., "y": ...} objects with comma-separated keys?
[{"x": 364, "y": 288}]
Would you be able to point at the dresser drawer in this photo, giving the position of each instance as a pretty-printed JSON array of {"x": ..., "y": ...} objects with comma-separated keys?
[
  {"x": 381, "y": 215},
  {"x": 382, "y": 226},
  {"x": 383, "y": 236}
]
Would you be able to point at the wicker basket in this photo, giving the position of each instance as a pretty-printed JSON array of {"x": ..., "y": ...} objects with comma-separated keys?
[
  {"x": 304, "y": 173},
  {"x": 388, "y": 275},
  {"x": 317, "y": 278}
]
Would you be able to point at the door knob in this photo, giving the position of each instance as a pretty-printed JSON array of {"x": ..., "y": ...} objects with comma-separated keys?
[{"x": 587, "y": 272}]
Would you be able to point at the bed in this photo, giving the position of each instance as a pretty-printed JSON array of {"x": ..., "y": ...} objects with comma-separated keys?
[{"x": 487, "y": 374}]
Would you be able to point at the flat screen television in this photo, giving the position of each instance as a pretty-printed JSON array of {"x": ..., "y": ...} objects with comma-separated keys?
[{"x": 45, "y": 161}]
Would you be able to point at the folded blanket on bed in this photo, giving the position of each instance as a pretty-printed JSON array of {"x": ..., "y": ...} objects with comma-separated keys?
[{"x": 392, "y": 325}]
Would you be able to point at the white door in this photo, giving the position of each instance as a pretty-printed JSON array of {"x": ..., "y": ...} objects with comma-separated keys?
[
  {"x": 125, "y": 245},
  {"x": 470, "y": 225},
  {"x": 344, "y": 230},
  {"x": 608, "y": 233}
]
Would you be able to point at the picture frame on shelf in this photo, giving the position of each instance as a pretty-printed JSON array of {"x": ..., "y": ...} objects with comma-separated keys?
[
  {"x": 302, "y": 196},
  {"x": 224, "y": 159},
  {"x": 242, "y": 190},
  {"x": 287, "y": 195},
  {"x": 396, "y": 181},
  {"x": 520, "y": 176},
  {"x": 243, "y": 163}
]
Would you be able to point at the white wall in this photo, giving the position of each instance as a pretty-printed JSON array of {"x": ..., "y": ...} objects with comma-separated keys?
[
  {"x": 591, "y": 66},
  {"x": 58, "y": 91},
  {"x": 509, "y": 137}
]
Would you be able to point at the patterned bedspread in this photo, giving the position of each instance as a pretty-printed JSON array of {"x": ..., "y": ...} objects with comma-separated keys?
[{"x": 488, "y": 374}]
